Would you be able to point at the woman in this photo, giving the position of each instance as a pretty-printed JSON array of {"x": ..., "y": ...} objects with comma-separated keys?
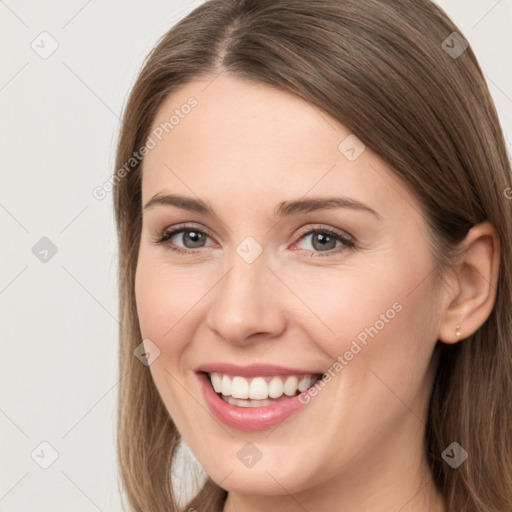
[{"x": 315, "y": 267}]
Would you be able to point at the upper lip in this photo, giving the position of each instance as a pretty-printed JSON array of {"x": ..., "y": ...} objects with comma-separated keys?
[{"x": 252, "y": 370}]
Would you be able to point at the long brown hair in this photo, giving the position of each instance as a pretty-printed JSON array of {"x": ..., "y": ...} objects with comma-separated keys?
[{"x": 385, "y": 71}]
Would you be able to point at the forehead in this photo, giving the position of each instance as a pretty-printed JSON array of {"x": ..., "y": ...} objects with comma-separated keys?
[
  {"x": 242, "y": 139},
  {"x": 247, "y": 118}
]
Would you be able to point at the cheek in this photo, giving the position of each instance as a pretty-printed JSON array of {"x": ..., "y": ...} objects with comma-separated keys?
[
  {"x": 396, "y": 340},
  {"x": 347, "y": 305},
  {"x": 382, "y": 320},
  {"x": 164, "y": 296},
  {"x": 386, "y": 306}
]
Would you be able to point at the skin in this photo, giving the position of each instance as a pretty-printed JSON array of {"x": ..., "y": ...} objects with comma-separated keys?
[{"x": 358, "y": 445}]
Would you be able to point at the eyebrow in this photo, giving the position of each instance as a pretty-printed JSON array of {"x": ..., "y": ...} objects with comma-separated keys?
[{"x": 284, "y": 209}]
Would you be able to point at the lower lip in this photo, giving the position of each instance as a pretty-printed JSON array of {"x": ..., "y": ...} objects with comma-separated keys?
[{"x": 248, "y": 418}]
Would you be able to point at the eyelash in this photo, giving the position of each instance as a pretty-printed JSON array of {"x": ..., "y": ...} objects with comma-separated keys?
[{"x": 166, "y": 235}]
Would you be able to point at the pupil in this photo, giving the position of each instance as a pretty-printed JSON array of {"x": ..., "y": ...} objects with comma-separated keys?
[{"x": 194, "y": 236}]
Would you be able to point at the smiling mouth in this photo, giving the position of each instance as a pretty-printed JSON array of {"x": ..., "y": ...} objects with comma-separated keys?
[{"x": 259, "y": 391}]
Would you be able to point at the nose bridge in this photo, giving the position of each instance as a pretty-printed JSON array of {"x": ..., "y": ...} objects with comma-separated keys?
[{"x": 244, "y": 301}]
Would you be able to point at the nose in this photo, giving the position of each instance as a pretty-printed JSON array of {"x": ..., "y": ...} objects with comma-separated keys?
[{"x": 246, "y": 303}]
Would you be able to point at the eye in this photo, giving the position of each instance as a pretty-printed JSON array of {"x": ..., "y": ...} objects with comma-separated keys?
[
  {"x": 191, "y": 237},
  {"x": 324, "y": 240}
]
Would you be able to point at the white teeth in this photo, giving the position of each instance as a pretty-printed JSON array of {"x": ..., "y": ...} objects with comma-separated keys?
[
  {"x": 275, "y": 387},
  {"x": 239, "y": 388},
  {"x": 226, "y": 386},
  {"x": 259, "y": 388},
  {"x": 247, "y": 403},
  {"x": 290, "y": 385},
  {"x": 216, "y": 382},
  {"x": 304, "y": 383}
]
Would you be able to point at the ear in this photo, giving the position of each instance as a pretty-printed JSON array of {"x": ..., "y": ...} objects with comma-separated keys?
[{"x": 472, "y": 293}]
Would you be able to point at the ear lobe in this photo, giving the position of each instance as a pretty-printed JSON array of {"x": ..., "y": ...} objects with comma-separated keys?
[{"x": 474, "y": 293}]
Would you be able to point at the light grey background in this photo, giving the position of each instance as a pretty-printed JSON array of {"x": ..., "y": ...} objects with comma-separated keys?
[{"x": 59, "y": 123}]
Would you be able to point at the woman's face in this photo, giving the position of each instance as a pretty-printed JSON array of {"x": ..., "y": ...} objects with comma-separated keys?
[{"x": 314, "y": 259}]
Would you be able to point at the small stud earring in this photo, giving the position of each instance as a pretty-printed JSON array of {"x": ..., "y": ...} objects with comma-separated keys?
[{"x": 457, "y": 331}]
